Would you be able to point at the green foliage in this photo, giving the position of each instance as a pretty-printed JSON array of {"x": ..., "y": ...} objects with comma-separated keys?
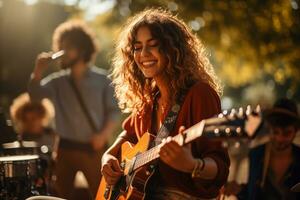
[{"x": 249, "y": 40}]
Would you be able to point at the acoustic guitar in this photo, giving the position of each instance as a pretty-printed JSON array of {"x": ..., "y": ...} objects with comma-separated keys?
[{"x": 137, "y": 160}]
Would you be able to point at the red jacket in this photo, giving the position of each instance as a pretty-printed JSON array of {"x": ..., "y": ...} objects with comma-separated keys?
[{"x": 200, "y": 102}]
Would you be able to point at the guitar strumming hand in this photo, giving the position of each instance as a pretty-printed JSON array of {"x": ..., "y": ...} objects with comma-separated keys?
[
  {"x": 111, "y": 169},
  {"x": 170, "y": 153}
]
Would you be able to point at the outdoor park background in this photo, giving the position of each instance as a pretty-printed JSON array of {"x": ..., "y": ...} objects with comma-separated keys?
[{"x": 254, "y": 45}]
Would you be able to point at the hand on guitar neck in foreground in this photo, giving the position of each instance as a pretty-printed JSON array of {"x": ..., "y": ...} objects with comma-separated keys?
[{"x": 171, "y": 152}]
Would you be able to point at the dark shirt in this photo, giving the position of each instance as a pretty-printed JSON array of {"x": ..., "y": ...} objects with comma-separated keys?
[{"x": 271, "y": 190}]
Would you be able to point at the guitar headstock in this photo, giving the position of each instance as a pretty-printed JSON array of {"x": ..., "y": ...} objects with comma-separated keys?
[{"x": 234, "y": 123}]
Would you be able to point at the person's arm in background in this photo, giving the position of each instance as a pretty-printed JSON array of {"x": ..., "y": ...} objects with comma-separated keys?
[
  {"x": 38, "y": 88},
  {"x": 100, "y": 139},
  {"x": 112, "y": 118}
]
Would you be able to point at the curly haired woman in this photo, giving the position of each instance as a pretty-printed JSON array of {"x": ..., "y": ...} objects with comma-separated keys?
[{"x": 157, "y": 58}]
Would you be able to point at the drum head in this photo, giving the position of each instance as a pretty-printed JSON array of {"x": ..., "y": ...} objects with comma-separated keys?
[
  {"x": 20, "y": 148},
  {"x": 18, "y": 144},
  {"x": 18, "y": 158}
]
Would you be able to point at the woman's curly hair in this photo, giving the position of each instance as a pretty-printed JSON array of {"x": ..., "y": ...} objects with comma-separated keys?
[{"x": 187, "y": 60}]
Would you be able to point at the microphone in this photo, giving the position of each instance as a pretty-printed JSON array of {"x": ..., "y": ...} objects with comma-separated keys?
[{"x": 57, "y": 54}]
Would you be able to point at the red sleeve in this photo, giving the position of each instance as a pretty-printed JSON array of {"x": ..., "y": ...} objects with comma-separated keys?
[
  {"x": 200, "y": 102},
  {"x": 128, "y": 126},
  {"x": 205, "y": 103}
]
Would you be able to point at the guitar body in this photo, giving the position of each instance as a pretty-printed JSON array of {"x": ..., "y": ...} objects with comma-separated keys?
[
  {"x": 136, "y": 160},
  {"x": 132, "y": 185}
]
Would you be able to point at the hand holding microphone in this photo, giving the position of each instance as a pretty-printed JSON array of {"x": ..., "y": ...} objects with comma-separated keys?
[
  {"x": 42, "y": 62},
  {"x": 57, "y": 54}
]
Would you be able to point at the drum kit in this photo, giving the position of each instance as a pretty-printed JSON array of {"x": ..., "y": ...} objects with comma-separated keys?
[{"x": 24, "y": 166}]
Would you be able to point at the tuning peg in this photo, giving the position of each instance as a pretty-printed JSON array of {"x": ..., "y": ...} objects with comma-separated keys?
[
  {"x": 258, "y": 109},
  {"x": 217, "y": 132},
  {"x": 241, "y": 111},
  {"x": 220, "y": 115},
  {"x": 238, "y": 130},
  {"x": 248, "y": 110},
  {"x": 232, "y": 112},
  {"x": 225, "y": 112},
  {"x": 228, "y": 131}
]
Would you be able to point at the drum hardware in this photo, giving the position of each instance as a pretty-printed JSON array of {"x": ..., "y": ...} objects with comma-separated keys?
[{"x": 23, "y": 165}]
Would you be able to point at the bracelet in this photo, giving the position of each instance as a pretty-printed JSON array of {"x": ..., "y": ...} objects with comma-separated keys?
[
  {"x": 200, "y": 164},
  {"x": 195, "y": 168},
  {"x": 203, "y": 165}
]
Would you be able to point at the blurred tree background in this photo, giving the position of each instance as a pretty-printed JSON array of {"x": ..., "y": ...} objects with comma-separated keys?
[{"x": 254, "y": 45}]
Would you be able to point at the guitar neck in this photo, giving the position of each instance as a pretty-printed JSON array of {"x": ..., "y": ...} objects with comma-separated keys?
[
  {"x": 244, "y": 124},
  {"x": 188, "y": 136}
]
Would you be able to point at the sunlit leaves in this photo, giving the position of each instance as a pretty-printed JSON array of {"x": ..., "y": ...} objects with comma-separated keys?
[{"x": 249, "y": 40}]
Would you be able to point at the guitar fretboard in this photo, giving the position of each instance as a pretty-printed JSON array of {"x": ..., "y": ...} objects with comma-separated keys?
[{"x": 188, "y": 135}]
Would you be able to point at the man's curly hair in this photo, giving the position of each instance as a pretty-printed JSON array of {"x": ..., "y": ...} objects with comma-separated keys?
[
  {"x": 77, "y": 34},
  {"x": 187, "y": 60}
]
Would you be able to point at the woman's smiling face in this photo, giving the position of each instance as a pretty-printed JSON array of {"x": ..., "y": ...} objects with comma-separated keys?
[{"x": 147, "y": 55}]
